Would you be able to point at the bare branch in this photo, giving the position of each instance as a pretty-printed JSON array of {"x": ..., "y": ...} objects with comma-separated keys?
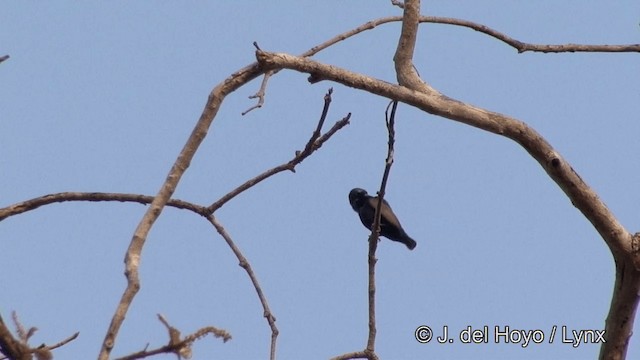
[
  {"x": 405, "y": 71},
  {"x": 254, "y": 280},
  {"x": 323, "y": 116},
  {"x": 622, "y": 312}
]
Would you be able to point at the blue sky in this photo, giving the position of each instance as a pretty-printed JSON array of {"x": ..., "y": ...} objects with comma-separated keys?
[{"x": 102, "y": 97}]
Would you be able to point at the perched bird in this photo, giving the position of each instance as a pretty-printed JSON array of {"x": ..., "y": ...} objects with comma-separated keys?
[{"x": 390, "y": 227}]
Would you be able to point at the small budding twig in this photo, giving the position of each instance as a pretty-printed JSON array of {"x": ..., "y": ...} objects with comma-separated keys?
[
  {"x": 19, "y": 349},
  {"x": 271, "y": 319},
  {"x": 180, "y": 347}
]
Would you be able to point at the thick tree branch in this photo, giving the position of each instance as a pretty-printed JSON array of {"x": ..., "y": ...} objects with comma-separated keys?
[
  {"x": 406, "y": 73},
  {"x": 622, "y": 312}
]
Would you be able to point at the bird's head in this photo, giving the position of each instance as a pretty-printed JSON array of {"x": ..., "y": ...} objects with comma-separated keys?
[{"x": 357, "y": 198}]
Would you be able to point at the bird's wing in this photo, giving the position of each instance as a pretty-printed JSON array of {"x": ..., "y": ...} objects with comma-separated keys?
[{"x": 385, "y": 210}]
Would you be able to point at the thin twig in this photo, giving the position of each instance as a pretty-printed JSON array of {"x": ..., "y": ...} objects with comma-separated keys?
[
  {"x": 314, "y": 143},
  {"x": 32, "y": 204},
  {"x": 64, "y": 342},
  {"x": 523, "y": 46},
  {"x": 323, "y": 116},
  {"x": 254, "y": 280},
  {"x": 371, "y": 260},
  {"x": 260, "y": 94},
  {"x": 406, "y": 73}
]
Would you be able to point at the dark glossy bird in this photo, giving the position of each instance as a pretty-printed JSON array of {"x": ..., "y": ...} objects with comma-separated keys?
[{"x": 390, "y": 227}]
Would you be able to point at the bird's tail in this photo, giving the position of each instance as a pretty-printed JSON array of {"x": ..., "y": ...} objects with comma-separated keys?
[{"x": 411, "y": 244}]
